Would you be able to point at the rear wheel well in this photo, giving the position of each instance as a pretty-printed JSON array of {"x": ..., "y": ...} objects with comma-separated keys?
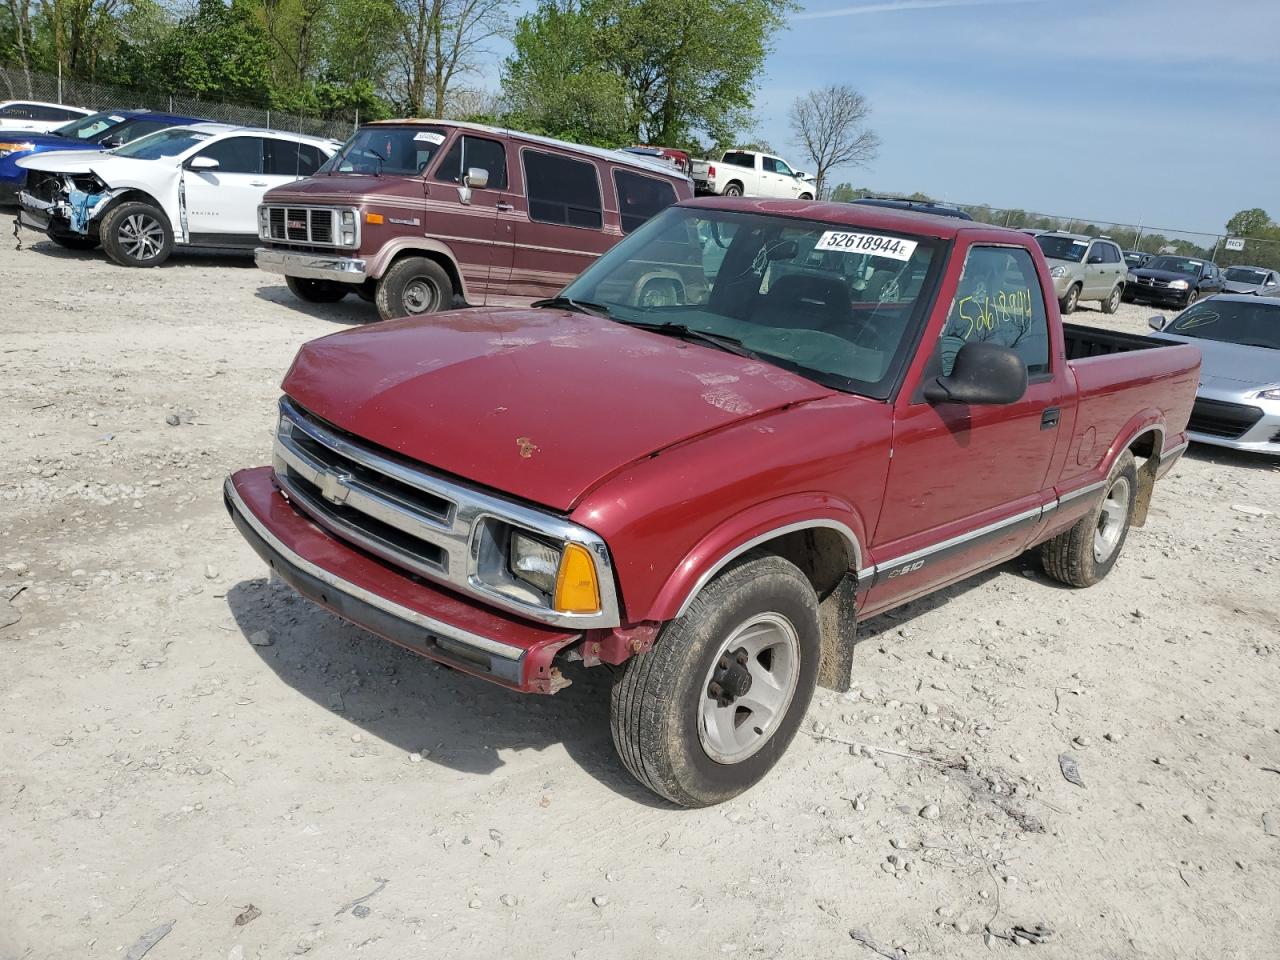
[{"x": 1147, "y": 447}]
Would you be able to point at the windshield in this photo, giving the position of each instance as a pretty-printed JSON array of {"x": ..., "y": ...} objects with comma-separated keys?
[
  {"x": 830, "y": 302},
  {"x": 163, "y": 143},
  {"x": 1246, "y": 275},
  {"x": 398, "y": 151},
  {"x": 1254, "y": 324},
  {"x": 1190, "y": 268},
  {"x": 86, "y": 127},
  {"x": 1134, "y": 259},
  {"x": 1062, "y": 248}
]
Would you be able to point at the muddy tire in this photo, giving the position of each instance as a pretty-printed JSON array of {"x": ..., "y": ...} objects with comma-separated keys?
[
  {"x": 317, "y": 291},
  {"x": 1112, "y": 303},
  {"x": 413, "y": 286},
  {"x": 733, "y": 190},
  {"x": 1069, "y": 303},
  {"x": 708, "y": 711},
  {"x": 1084, "y": 554},
  {"x": 136, "y": 234},
  {"x": 74, "y": 243}
]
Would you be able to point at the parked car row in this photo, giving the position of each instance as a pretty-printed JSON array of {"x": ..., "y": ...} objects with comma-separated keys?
[
  {"x": 36, "y": 115},
  {"x": 750, "y": 173}
]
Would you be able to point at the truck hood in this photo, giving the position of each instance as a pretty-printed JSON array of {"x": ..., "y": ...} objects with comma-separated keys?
[
  {"x": 540, "y": 404},
  {"x": 1166, "y": 275},
  {"x": 346, "y": 185},
  {"x": 1232, "y": 365}
]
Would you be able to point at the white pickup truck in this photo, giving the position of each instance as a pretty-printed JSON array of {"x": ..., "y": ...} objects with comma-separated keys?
[{"x": 748, "y": 173}]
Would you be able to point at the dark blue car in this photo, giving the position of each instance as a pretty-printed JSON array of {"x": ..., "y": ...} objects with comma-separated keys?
[{"x": 98, "y": 131}]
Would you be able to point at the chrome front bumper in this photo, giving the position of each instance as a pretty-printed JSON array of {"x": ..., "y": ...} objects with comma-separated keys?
[{"x": 312, "y": 266}]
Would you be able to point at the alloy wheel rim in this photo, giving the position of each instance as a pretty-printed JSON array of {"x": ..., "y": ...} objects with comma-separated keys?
[
  {"x": 420, "y": 296},
  {"x": 749, "y": 687},
  {"x": 141, "y": 237},
  {"x": 1115, "y": 508}
]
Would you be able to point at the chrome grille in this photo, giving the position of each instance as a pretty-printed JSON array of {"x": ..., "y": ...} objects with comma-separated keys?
[
  {"x": 316, "y": 225},
  {"x": 397, "y": 510}
]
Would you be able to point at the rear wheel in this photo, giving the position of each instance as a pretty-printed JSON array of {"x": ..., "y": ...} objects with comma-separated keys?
[
  {"x": 1084, "y": 554},
  {"x": 413, "y": 286},
  {"x": 136, "y": 234},
  {"x": 806, "y": 196},
  {"x": 733, "y": 190},
  {"x": 710, "y": 709},
  {"x": 1071, "y": 300},
  {"x": 74, "y": 243},
  {"x": 1112, "y": 303},
  {"x": 317, "y": 291}
]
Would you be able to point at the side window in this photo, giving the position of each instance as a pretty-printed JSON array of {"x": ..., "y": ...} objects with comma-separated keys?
[
  {"x": 780, "y": 167},
  {"x": 639, "y": 197},
  {"x": 288, "y": 158},
  {"x": 738, "y": 159},
  {"x": 468, "y": 152},
  {"x": 133, "y": 129},
  {"x": 998, "y": 300},
  {"x": 769, "y": 164},
  {"x": 1110, "y": 253},
  {"x": 16, "y": 111},
  {"x": 236, "y": 154},
  {"x": 562, "y": 190},
  {"x": 67, "y": 115}
]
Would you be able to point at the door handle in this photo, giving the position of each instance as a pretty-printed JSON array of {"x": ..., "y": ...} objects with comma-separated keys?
[
  {"x": 1049, "y": 419},
  {"x": 505, "y": 207},
  {"x": 257, "y": 183}
]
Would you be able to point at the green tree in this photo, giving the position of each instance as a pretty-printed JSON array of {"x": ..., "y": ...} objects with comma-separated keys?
[
  {"x": 220, "y": 52},
  {"x": 1249, "y": 223},
  {"x": 681, "y": 69}
]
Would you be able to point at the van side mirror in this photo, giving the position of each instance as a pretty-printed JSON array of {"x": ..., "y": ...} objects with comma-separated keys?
[
  {"x": 1158, "y": 322},
  {"x": 477, "y": 178},
  {"x": 983, "y": 373}
]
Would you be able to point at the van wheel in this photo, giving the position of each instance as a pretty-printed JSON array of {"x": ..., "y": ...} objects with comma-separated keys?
[
  {"x": 413, "y": 286},
  {"x": 74, "y": 243},
  {"x": 1071, "y": 300},
  {"x": 733, "y": 190},
  {"x": 1112, "y": 303},
  {"x": 708, "y": 711},
  {"x": 317, "y": 291},
  {"x": 1084, "y": 554},
  {"x": 136, "y": 234}
]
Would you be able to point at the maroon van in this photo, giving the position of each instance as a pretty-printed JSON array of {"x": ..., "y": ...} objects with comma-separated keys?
[{"x": 423, "y": 215}]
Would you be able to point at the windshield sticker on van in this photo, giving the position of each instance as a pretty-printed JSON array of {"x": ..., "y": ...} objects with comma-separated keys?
[
  {"x": 430, "y": 137},
  {"x": 895, "y": 248},
  {"x": 114, "y": 119},
  {"x": 201, "y": 136}
]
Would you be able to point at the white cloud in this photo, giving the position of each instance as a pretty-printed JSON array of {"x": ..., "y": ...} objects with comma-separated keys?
[{"x": 900, "y": 5}]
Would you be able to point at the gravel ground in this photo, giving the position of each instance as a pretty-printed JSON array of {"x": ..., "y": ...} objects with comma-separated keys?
[{"x": 188, "y": 748}]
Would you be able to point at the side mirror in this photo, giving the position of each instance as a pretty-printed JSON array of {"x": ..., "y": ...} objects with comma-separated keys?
[
  {"x": 112, "y": 142},
  {"x": 202, "y": 163},
  {"x": 1095, "y": 258},
  {"x": 477, "y": 178},
  {"x": 983, "y": 373},
  {"x": 1158, "y": 322}
]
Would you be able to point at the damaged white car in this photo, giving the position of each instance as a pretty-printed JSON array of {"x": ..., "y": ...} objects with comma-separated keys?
[{"x": 198, "y": 185}]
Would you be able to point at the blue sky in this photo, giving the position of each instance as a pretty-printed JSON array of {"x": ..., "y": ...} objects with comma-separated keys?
[{"x": 1160, "y": 111}]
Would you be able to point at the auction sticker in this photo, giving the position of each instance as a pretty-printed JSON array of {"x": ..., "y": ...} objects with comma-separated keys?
[
  {"x": 430, "y": 137},
  {"x": 893, "y": 247}
]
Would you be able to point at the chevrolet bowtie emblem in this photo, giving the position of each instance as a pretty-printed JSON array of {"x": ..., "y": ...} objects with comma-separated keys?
[{"x": 333, "y": 486}]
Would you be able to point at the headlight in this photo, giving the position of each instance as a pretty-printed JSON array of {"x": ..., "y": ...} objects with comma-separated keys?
[
  {"x": 1058, "y": 272},
  {"x": 520, "y": 565},
  {"x": 1130, "y": 278},
  {"x": 1179, "y": 285},
  {"x": 1271, "y": 393},
  {"x": 347, "y": 219},
  {"x": 8, "y": 148}
]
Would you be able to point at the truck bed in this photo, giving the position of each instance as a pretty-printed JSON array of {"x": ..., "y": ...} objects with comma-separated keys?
[{"x": 1084, "y": 341}]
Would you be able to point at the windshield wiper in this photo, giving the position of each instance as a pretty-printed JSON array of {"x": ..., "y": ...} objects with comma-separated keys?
[
  {"x": 727, "y": 344},
  {"x": 579, "y": 306}
]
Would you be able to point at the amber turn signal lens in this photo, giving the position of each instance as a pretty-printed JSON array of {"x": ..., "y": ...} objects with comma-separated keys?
[
  {"x": 576, "y": 588},
  {"x": 373, "y": 218}
]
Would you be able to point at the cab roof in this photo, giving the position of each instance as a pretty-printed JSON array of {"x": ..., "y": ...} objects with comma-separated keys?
[{"x": 639, "y": 161}]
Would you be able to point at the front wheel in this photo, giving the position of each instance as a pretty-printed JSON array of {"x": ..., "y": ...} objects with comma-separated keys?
[
  {"x": 1071, "y": 300},
  {"x": 136, "y": 234},
  {"x": 1112, "y": 303},
  {"x": 709, "y": 710},
  {"x": 1192, "y": 297},
  {"x": 317, "y": 291},
  {"x": 1084, "y": 554},
  {"x": 413, "y": 286},
  {"x": 806, "y": 196}
]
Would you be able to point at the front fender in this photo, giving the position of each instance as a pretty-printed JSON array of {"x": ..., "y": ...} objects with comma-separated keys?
[{"x": 751, "y": 528}]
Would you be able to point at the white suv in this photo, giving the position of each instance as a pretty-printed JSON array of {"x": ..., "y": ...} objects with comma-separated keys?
[{"x": 198, "y": 185}]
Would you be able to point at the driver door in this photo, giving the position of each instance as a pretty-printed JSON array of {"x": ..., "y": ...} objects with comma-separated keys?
[
  {"x": 222, "y": 202},
  {"x": 470, "y": 218}
]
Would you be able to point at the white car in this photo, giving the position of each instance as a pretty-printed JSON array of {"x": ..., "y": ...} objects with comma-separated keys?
[
  {"x": 749, "y": 173},
  {"x": 37, "y": 116},
  {"x": 196, "y": 185}
]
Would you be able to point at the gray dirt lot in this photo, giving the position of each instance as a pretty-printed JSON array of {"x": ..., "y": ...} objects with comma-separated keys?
[{"x": 158, "y": 767}]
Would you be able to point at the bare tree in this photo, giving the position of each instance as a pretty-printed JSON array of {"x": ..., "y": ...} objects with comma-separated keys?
[
  {"x": 830, "y": 124},
  {"x": 442, "y": 40}
]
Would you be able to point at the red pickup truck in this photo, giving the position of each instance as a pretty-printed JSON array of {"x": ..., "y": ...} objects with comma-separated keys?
[{"x": 830, "y": 410}]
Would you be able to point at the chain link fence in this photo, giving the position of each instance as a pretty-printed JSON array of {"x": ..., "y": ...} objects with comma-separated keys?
[{"x": 17, "y": 84}]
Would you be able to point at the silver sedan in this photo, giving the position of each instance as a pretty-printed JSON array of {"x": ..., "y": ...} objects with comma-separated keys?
[
  {"x": 1259, "y": 280},
  {"x": 1238, "y": 403}
]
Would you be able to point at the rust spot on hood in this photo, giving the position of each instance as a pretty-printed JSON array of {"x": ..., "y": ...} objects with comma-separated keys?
[{"x": 527, "y": 447}]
